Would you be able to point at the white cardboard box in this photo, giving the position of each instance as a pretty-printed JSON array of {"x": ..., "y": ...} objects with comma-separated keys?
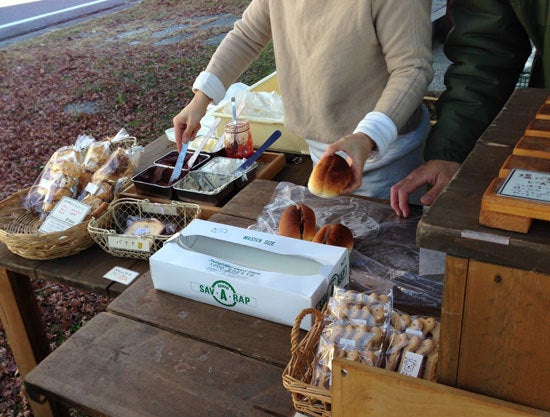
[{"x": 255, "y": 273}]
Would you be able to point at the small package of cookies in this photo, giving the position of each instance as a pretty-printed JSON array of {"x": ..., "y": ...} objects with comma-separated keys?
[{"x": 356, "y": 329}]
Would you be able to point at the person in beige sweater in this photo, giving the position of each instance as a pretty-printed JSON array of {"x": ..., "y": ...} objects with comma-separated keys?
[{"x": 352, "y": 75}]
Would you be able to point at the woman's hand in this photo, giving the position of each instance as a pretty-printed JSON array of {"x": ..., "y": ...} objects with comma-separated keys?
[
  {"x": 358, "y": 148},
  {"x": 188, "y": 121}
]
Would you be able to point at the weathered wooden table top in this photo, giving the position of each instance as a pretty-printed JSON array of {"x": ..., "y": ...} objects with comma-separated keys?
[{"x": 452, "y": 224}]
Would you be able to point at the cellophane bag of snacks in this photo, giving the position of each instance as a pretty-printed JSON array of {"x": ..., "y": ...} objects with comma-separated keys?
[
  {"x": 413, "y": 345},
  {"x": 356, "y": 327}
]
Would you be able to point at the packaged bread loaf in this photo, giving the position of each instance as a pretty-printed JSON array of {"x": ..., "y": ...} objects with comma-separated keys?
[
  {"x": 58, "y": 178},
  {"x": 108, "y": 179}
]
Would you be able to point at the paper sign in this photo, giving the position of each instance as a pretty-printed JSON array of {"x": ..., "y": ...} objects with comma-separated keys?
[
  {"x": 130, "y": 242},
  {"x": 66, "y": 213},
  {"x": 530, "y": 185},
  {"x": 122, "y": 275}
]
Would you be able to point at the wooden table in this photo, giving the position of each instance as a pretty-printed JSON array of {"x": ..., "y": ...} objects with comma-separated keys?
[
  {"x": 19, "y": 313},
  {"x": 495, "y": 331},
  {"x": 155, "y": 353}
]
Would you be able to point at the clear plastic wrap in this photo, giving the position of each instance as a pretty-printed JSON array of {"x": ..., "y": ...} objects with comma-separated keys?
[
  {"x": 413, "y": 347},
  {"x": 356, "y": 328},
  {"x": 261, "y": 104},
  {"x": 385, "y": 254},
  {"x": 59, "y": 177},
  {"x": 139, "y": 226},
  {"x": 107, "y": 180}
]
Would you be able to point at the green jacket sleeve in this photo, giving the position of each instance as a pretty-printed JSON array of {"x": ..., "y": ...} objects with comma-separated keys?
[{"x": 488, "y": 48}]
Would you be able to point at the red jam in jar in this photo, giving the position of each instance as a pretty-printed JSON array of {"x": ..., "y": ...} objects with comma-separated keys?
[{"x": 238, "y": 139}]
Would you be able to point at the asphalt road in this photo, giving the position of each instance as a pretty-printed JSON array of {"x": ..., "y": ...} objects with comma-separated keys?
[{"x": 22, "y": 19}]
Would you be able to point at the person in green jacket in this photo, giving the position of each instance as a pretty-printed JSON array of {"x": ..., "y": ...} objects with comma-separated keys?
[{"x": 488, "y": 46}]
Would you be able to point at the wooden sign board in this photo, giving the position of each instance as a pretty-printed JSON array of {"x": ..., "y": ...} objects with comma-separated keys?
[{"x": 529, "y": 195}]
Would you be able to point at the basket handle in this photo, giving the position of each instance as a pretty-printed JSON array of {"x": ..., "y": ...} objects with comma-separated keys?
[{"x": 295, "y": 332}]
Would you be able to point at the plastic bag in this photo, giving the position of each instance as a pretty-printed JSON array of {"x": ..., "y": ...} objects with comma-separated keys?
[
  {"x": 413, "y": 347},
  {"x": 108, "y": 179},
  {"x": 261, "y": 104},
  {"x": 356, "y": 328},
  {"x": 385, "y": 255},
  {"x": 59, "y": 177}
]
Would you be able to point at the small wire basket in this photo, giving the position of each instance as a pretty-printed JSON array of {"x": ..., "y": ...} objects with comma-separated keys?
[{"x": 108, "y": 230}]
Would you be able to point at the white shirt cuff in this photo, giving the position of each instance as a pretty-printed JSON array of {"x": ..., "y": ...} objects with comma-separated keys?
[
  {"x": 381, "y": 129},
  {"x": 210, "y": 85}
]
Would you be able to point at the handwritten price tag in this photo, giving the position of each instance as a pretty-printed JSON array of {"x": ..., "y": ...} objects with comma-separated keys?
[
  {"x": 133, "y": 243},
  {"x": 526, "y": 184},
  {"x": 122, "y": 275},
  {"x": 66, "y": 213}
]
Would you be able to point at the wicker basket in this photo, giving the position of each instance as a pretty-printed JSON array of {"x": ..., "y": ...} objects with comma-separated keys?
[
  {"x": 19, "y": 232},
  {"x": 308, "y": 399},
  {"x": 107, "y": 229}
]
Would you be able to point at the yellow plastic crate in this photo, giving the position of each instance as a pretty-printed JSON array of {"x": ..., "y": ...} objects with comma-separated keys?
[{"x": 261, "y": 127}]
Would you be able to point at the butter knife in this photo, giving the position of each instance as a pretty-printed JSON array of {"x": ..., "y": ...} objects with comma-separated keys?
[
  {"x": 179, "y": 163},
  {"x": 248, "y": 163}
]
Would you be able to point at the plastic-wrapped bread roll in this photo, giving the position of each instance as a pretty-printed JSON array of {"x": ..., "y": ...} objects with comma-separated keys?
[
  {"x": 329, "y": 177},
  {"x": 298, "y": 221},
  {"x": 336, "y": 235}
]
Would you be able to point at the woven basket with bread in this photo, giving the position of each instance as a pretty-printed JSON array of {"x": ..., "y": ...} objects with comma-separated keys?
[
  {"x": 91, "y": 171},
  {"x": 19, "y": 232}
]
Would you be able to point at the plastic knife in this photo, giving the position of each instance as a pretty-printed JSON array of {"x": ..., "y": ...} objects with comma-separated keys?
[
  {"x": 193, "y": 158},
  {"x": 179, "y": 163},
  {"x": 248, "y": 163}
]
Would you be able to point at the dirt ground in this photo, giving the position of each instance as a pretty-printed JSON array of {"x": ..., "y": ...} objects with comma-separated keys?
[{"x": 130, "y": 69}]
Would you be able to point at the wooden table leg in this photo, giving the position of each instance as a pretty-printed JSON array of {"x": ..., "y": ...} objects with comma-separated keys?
[
  {"x": 25, "y": 331},
  {"x": 452, "y": 309}
]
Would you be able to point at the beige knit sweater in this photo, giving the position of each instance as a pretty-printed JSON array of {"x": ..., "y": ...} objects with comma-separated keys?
[{"x": 336, "y": 60}]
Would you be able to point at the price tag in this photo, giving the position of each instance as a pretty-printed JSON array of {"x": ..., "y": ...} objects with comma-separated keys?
[
  {"x": 91, "y": 188},
  {"x": 134, "y": 243},
  {"x": 530, "y": 185},
  {"x": 66, "y": 213},
  {"x": 412, "y": 363},
  {"x": 347, "y": 344},
  {"x": 159, "y": 209},
  {"x": 122, "y": 275}
]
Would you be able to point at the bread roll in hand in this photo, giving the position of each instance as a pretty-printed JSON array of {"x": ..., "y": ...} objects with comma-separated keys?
[
  {"x": 297, "y": 221},
  {"x": 336, "y": 235},
  {"x": 329, "y": 177}
]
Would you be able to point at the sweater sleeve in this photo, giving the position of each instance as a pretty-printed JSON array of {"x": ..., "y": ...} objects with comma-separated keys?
[
  {"x": 243, "y": 44},
  {"x": 404, "y": 33},
  {"x": 488, "y": 48}
]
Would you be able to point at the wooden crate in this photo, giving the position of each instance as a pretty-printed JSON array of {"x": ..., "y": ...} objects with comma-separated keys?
[{"x": 365, "y": 391}]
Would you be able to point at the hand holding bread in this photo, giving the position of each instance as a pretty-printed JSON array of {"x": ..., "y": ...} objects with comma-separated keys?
[{"x": 329, "y": 177}]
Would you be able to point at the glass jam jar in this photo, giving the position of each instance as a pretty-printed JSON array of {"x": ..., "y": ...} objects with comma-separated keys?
[{"x": 238, "y": 139}]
